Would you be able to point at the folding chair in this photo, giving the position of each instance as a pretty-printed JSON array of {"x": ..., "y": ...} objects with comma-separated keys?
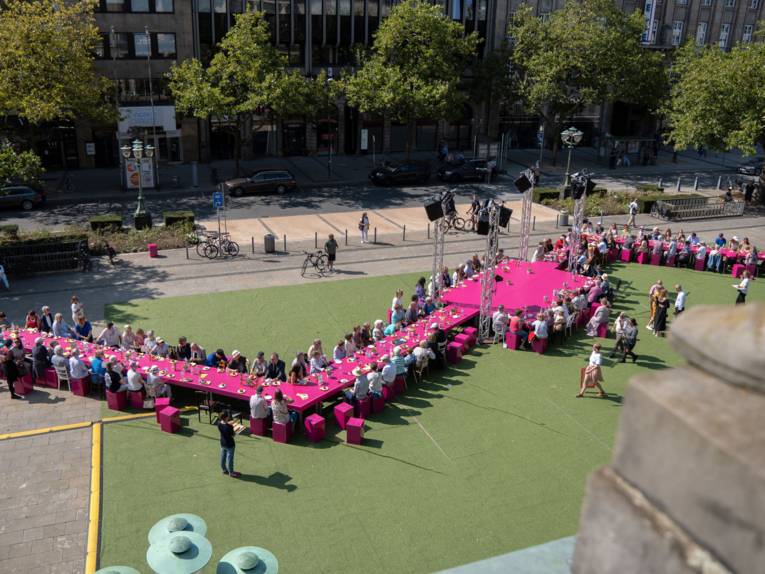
[{"x": 62, "y": 375}]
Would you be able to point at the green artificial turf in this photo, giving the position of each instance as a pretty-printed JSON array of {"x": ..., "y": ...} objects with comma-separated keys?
[{"x": 481, "y": 459}]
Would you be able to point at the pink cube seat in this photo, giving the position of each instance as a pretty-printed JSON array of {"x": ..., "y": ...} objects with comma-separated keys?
[
  {"x": 613, "y": 254},
  {"x": 642, "y": 258},
  {"x": 282, "y": 432},
  {"x": 752, "y": 268},
  {"x": 737, "y": 270},
  {"x": 50, "y": 379},
  {"x": 539, "y": 345},
  {"x": 258, "y": 427},
  {"x": 670, "y": 262},
  {"x": 454, "y": 353},
  {"x": 388, "y": 393},
  {"x": 135, "y": 399},
  {"x": 655, "y": 258},
  {"x": 343, "y": 412},
  {"x": 314, "y": 427},
  {"x": 378, "y": 404},
  {"x": 626, "y": 255},
  {"x": 354, "y": 432},
  {"x": 463, "y": 340},
  {"x": 116, "y": 401},
  {"x": 399, "y": 385},
  {"x": 363, "y": 408},
  {"x": 698, "y": 265},
  {"x": 170, "y": 419},
  {"x": 23, "y": 385},
  {"x": 603, "y": 331},
  {"x": 512, "y": 341},
  {"x": 473, "y": 333},
  {"x": 80, "y": 387},
  {"x": 159, "y": 404}
]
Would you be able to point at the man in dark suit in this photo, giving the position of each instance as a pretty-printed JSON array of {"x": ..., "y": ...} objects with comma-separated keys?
[{"x": 275, "y": 368}]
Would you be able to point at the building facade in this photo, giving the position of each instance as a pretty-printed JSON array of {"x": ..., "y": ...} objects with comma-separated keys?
[{"x": 323, "y": 34}]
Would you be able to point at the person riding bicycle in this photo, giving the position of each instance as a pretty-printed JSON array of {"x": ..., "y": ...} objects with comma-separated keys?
[{"x": 475, "y": 207}]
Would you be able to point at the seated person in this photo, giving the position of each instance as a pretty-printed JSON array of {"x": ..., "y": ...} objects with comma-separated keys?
[
  {"x": 366, "y": 334},
  {"x": 127, "y": 340},
  {"x": 40, "y": 359},
  {"x": 60, "y": 328},
  {"x": 258, "y": 406},
  {"x": 113, "y": 379},
  {"x": 599, "y": 317},
  {"x": 540, "y": 327},
  {"x": 397, "y": 315},
  {"x": 161, "y": 349},
  {"x": 500, "y": 321},
  {"x": 360, "y": 389},
  {"x": 134, "y": 378},
  {"x": 378, "y": 333},
  {"x": 198, "y": 354},
  {"x": 238, "y": 362},
  {"x": 259, "y": 365},
  {"x": 183, "y": 350},
  {"x": 275, "y": 369},
  {"x": 59, "y": 360},
  {"x": 422, "y": 353},
  {"x": 350, "y": 346},
  {"x": 388, "y": 373},
  {"x": 595, "y": 293},
  {"x": 516, "y": 326},
  {"x": 412, "y": 314},
  {"x": 110, "y": 336},
  {"x": 429, "y": 306},
  {"x": 399, "y": 362},
  {"x": 315, "y": 346},
  {"x": 375, "y": 381},
  {"x": 217, "y": 359},
  {"x": 339, "y": 353},
  {"x": 294, "y": 377},
  {"x": 83, "y": 329},
  {"x": 392, "y": 328},
  {"x": 318, "y": 363},
  {"x": 77, "y": 369},
  {"x": 155, "y": 385},
  {"x": 280, "y": 411}
]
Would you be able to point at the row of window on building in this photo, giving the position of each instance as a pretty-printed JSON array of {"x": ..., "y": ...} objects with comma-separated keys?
[
  {"x": 678, "y": 29},
  {"x": 137, "y": 6},
  {"x": 123, "y": 45}
]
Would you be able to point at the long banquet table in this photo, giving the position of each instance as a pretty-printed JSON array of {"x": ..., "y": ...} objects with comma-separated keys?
[{"x": 315, "y": 388}]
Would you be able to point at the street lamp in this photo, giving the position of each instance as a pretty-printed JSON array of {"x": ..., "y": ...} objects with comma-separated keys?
[
  {"x": 570, "y": 138},
  {"x": 137, "y": 151}
]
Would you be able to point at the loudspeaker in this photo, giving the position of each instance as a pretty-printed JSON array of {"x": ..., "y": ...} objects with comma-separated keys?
[
  {"x": 483, "y": 228},
  {"x": 522, "y": 184},
  {"x": 433, "y": 209},
  {"x": 590, "y": 186},
  {"x": 504, "y": 216}
]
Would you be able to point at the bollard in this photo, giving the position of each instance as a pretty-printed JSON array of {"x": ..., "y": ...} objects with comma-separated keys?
[
  {"x": 428, "y": 230},
  {"x": 696, "y": 184},
  {"x": 375, "y": 241},
  {"x": 661, "y": 182},
  {"x": 187, "y": 252},
  {"x": 534, "y": 223},
  {"x": 678, "y": 185},
  {"x": 253, "y": 245},
  {"x": 346, "y": 237},
  {"x": 556, "y": 221},
  {"x": 285, "y": 243},
  {"x": 316, "y": 240},
  {"x": 404, "y": 239},
  {"x": 719, "y": 183}
]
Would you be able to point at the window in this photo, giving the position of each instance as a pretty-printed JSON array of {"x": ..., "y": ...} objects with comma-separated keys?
[
  {"x": 163, "y": 5},
  {"x": 730, "y": 3},
  {"x": 141, "y": 45},
  {"x": 119, "y": 45},
  {"x": 100, "y": 51},
  {"x": 754, "y": 4},
  {"x": 706, "y": 2},
  {"x": 116, "y": 6},
  {"x": 654, "y": 31},
  {"x": 701, "y": 33},
  {"x": 219, "y": 6},
  {"x": 544, "y": 16},
  {"x": 681, "y": 2},
  {"x": 166, "y": 45},
  {"x": 139, "y": 5},
  {"x": 724, "y": 31},
  {"x": 747, "y": 36},
  {"x": 677, "y": 32}
]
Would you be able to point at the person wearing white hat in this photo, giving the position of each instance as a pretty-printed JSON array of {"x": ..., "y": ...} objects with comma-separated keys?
[
  {"x": 155, "y": 385},
  {"x": 238, "y": 362},
  {"x": 134, "y": 378},
  {"x": 388, "y": 371},
  {"x": 360, "y": 388},
  {"x": 161, "y": 349},
  {"x": 422, "y": 353}
]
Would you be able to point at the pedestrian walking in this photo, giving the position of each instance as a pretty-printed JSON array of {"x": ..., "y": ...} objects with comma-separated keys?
[
  {"x": 4, "y": 277},
  {"x": 742, "y": 288},
  {"x": 630, "y": 340},
  {"x": 78, "y": 309},
  {"x": 633, "y": 209},
  {"x": 364, "y": 227},
  {"x": 330, "y": 247},
  {"x": 227, "y": 445},
  {"x": 10, "y": 370},
  {"x": 680, "y": 299}
]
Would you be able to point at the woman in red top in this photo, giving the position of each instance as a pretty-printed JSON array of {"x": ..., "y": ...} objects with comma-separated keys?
[{"x": 32, "y": 321}]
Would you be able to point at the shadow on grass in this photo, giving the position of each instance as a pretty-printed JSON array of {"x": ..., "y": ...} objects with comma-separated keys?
[{"x": 277, "y": 480}]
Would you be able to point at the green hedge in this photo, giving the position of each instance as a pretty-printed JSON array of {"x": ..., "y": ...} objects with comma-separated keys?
[
  {"x": 108, "y": 222},
  {"x": 649, "y": 188},
  {"x": 542, "y": 193},
  {"x": 645, "y": 202},
  {"x": 178, "y": 217},
  {"x": 11, "y": 231}
]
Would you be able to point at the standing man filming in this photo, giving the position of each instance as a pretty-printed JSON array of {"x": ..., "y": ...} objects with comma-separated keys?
[{"x": 330, "y": 247}]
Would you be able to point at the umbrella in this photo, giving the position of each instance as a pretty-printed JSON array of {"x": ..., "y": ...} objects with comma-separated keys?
[
  {"x": 179, "y": 553},
  {"x": 177, "y": 523},
  {"x": 248, "y": 560}
]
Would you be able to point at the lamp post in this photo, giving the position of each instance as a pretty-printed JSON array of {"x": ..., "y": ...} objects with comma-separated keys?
[
  {"x": 137, "y": 151},
  {"x": 570, "y": 137}
]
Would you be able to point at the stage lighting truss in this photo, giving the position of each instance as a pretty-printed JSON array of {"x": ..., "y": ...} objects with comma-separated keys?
[{"x": 490, "y": 212}]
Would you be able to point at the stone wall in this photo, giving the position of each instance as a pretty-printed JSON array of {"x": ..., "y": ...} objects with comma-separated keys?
[{"x": 685, "y": 492}]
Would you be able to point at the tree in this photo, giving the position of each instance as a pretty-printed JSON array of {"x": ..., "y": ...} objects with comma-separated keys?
[
  {"x": 46, "y": 62},
  {"x": 246, "y": 77},
  {"x": 586, "y": 53},
  {"x": 414, "y": 68},
  {"x": 16, "y": 166},
  {"x": 718, "y": 98}
]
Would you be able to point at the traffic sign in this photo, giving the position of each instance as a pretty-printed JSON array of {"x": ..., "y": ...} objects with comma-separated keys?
[{"x": 217, "y": 199}]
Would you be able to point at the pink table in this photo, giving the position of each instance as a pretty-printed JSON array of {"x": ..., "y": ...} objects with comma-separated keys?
[
  {"x": 237, "y": 386},
  {"x": 518, "y": 289}
]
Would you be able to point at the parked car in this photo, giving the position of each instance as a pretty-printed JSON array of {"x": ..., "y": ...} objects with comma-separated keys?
[
  {"x": 26, "y": 197},
  {"x": 467, "y": 170},
  {"x": 400, "y": 173},
  {"x": 752, "y": 166},
  {"x": 262, "y": 181}
]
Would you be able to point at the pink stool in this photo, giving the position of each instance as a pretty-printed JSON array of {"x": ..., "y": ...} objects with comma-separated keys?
[
  {"x": 363, "y": 408},
  {"x": 698, "y": 265},
  {"x": 81, "y": 387},
  {"x": 613, "y": 253},
  {"x": 378, "y": 403},
  {"x": 670, "y": 262},
  {"x": 752, "y": 268},
  {"x": 642, "y": 258},
  {"x": 603, "y": 331},
  {"x": 463, "y": 340},
  {"x": 539, "y": 345},
  {"x": 343, "y": 412},
  {"x": 314, "y": 427},
  {"x": 655, "y": 258},
  {"x": 390, "y": 313},
  {"x": 170, "y": 419},
  {"x": 388, "y": 393},
  {"x": 159, "y": 404},
  {"x": 153, "y": 251},
  {"x": 354, "y": 432},
  {"x": 473, "y": 333},
  {"x": 135, "y": 399},
  {"x": 453, "y": 353},
  {"x": 23, "y": 385},
  {"x": 582, "y": 318},
  {"x": 281, "y": 432},
  {"x": 626, "y": 255},
  {"x": 116, "y": 401},
  {"x": 512, "y": 341},
  {"x": 399, "y": 385},
  {"x": 50, "y": 379},
  {"x": 737, "y": 270},
  {"x": 258, "y": 427}
]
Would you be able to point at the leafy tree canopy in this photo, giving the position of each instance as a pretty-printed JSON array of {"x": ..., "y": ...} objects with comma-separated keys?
[{"x": 18, "y": 166}]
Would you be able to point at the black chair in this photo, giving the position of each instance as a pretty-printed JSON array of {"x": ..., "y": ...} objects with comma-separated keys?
[{"x": 205, "y": 403}]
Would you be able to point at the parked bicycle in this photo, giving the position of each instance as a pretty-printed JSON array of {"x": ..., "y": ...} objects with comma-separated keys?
[
  {"x": 216, "y": 245},
  {"x": 317, "y": 260}
]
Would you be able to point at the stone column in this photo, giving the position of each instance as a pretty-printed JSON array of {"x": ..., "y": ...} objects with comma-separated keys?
[{"x": 685, "y": 492}]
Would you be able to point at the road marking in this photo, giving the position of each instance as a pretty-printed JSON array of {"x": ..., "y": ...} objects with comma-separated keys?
[
  {"x": 388, "y": 219},
  {"x": 94, "y": 512},
  {"x": 580, "y": 425},
  {"x": 263, "y": 223},
  {"x": 430, "y": 436},
  {"x": 340, "y": 231}
]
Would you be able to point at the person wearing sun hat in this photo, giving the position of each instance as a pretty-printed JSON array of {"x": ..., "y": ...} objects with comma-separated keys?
[
  {"x": 360, "y": 388},
  {"x": 248, "y": 560},
  {"x": 238, "y": 362},
  {"x": 179, "y": 553}
]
